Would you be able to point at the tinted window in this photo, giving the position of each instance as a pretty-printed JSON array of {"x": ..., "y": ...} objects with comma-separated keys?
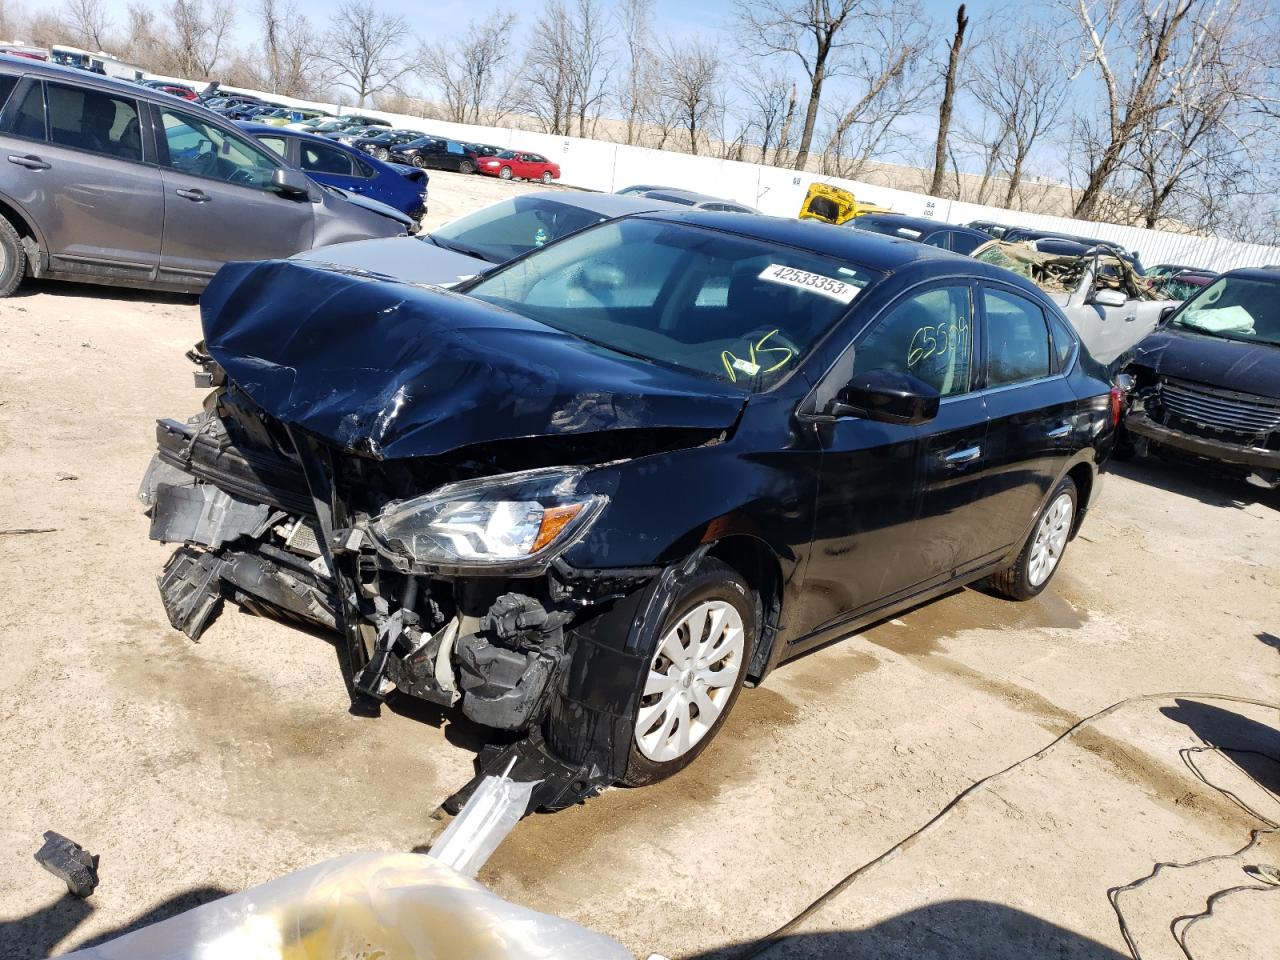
[
  {"x": 7, "y": 84},
  {"x": 928, "y": 335},
  {"x": 321, "y": 159},
  {"x": 28, "y": 119},
  {"x": 363, "y": 169},
  {"x": 1063, "y": 342},
  {"x": 635, "y": 285},
  {"x": 1017, "y": 339},
  {"x": 94, "y": 121},
  {"x": 201, "y": 149},
  {"x": 938, "y": 239},
  {"x": 964, "y": 244}
]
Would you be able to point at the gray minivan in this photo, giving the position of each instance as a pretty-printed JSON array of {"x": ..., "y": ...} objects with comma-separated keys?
[{"x": 110, "y": 182}]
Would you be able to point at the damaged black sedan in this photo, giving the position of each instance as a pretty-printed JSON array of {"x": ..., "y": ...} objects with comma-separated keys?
[{"x": 589, "y": 495}]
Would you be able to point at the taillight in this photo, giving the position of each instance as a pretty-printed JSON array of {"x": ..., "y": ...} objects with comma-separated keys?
[{"x": 1117, "y": 404}]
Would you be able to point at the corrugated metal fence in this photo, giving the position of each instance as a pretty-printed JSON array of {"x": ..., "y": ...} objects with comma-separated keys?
[{"x": 598, "y": 165}]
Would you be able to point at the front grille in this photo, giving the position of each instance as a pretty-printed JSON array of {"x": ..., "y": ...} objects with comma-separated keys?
[{"x": 1249, "y": 417}]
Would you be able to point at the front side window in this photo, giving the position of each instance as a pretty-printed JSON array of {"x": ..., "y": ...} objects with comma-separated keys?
[
  {"x": 276, "y": 145},
  {"x": 94, "y": 121},
  {"x": 928, "y": 335},
  {"x": 1017, "y": 339},
  {"x": 318, "y": 158},
  {"x": 204, "y": 150},
  {"x": 651, "y": 289}
]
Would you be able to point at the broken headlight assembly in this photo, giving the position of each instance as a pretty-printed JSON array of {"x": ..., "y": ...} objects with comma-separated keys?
[{"x": 506, "y": 521}]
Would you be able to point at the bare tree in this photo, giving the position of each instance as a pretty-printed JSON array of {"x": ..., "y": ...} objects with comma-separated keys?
[
  {"x": 638, "y": 78},
  {"x": 691, "y": 85},
  {"x": 88, "y": 23},
  {"x": 815, "y": 32},
  {"x": 10, "y": 19},
  {"x": 288, "y": 64},
  {"x": 1020, "y": 80},
  {"x": 365, "y": 50},
  {"x": 471, "y": 73},
  {"x": 769, "y": 100},
  {"x": 948, "y": 102},
  {"x": 566, "y": 66},
  {"x": 199, "y": 37}
]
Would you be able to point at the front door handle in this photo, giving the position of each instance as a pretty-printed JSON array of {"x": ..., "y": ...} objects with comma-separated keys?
[
  {"x": 1057, "y": 433},
  {"x": 197, "y": 196},
  {"x": 29, "y": 161},
  {"x": 965, "y": 455}
]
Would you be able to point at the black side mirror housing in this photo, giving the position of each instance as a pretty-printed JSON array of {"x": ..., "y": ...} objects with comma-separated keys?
[
  {"x": 888, "y": 397},
  {"x": 1167, "y": 312},
  {"x": 291, "y": 183}
]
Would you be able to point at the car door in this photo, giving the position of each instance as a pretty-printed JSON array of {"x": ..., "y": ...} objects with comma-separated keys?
[
  {"x": 77, "y": 166},
  {"x": 219, "y": 201},
  {"x": 895, "y": 503},
  {"x": 1031, "y": 410}
]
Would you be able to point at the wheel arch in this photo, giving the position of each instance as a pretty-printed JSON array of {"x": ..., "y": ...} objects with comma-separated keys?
[
  {"x": 27, "y": 231},
  {"x": 760, "y": 567},
  {"x": 1082, "y": 474}
]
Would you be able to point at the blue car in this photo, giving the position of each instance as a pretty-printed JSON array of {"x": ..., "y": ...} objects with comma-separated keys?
[{"x": 336, "y": 164}]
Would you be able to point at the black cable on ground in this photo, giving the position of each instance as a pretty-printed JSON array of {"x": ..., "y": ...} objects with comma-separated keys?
[{"x": 772, "y": 940}]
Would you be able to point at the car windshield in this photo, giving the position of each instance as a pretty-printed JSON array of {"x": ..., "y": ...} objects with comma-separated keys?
[
  {"x": 733, "y": 308},
  {"x": 507, "y": 229},
  {"x": 1237, "y": 308}
]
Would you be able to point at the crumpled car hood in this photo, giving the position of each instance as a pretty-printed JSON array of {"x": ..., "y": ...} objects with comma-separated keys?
[
  {"x": 394, "y": 370},
  {"x": 1214, "y": 361}
]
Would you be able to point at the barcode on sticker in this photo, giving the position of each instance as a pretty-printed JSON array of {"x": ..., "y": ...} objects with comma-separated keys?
[{"x": 813, "y": 282}]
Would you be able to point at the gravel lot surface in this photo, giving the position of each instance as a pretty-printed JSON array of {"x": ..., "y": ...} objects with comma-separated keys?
[{"x": 198, "y": 769}]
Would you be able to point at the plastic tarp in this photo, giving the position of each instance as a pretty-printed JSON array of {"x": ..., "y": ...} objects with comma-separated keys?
[
  {"x": 389, "y": 906},
  {"x": 1062, "y": 273}
]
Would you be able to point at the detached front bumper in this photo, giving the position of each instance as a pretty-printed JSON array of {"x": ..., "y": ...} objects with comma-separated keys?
[{"x": 1255, "y": 458}]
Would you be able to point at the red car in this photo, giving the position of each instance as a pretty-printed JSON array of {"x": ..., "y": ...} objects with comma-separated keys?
[{"x": 516, "y": 163}]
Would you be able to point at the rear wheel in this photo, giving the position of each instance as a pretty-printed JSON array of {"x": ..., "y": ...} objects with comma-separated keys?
[
  {"x": 13, "y": 258},
  {"x": 546, "y": 176},
  {"x": 466, "y": 166},
  {"x": 505, "y": 173},
  {"x": 695, "y": 673},
  {"x": 1038, "y": 561},
  {"x": 382, "y": 153}
]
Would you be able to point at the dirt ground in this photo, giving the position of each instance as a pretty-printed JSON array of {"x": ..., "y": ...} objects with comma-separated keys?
[{"x": 198, "y": 769}]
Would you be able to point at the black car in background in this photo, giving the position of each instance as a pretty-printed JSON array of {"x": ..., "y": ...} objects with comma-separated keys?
[
  {"x": 695, "y": 445},
  {"x": 379, "y": 144},
  {"x": 437, "y": 153},
  {"x": 946, "y": 236},
  {"x": 1206, "y": 384}
]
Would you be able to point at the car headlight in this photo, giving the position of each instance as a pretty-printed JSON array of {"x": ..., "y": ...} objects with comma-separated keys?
[{"x": 507, "y": 520}]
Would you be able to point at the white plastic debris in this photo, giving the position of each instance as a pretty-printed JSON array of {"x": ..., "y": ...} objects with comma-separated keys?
[
  {"x": 483, "y": 823},
  {"x": 366, "y": 905}
]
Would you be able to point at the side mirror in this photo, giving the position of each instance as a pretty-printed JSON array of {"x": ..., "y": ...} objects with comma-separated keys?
[
  {"x": 1109, "y": 298},
  {"x": 889, "y": 397},
  {"x": 291, "y": 183},
  {"x": 1167, "y": 312}
]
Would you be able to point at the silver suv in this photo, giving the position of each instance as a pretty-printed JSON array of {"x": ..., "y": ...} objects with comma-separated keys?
[{"x": 111, "y": 182}]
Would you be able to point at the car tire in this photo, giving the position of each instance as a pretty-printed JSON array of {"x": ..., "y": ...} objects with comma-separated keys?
[
  {"x": 717, "y": 603},
  {"x": 13, "y": 258},
  {"x": 1041, "y": 555},
  {"x": 382, "y": 154},
  {"x": 466, "y": 166},
  {"x": 419, "y": 163},
  {"x": 546, "y": 176},
  {"x": 505, "y": 173}
]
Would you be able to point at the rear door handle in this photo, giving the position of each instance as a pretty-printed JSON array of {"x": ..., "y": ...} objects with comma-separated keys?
[
  {"x": 198, "y": 196},
  {"x": 965, "y": 455},
  {"x": 29, "y": 161},
  {"x": 1057, "y": 433}
]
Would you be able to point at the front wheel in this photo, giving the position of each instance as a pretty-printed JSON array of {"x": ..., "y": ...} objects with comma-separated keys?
[
  {"x": 1038, "y": 561},
  {"x": 419, "y": 163},
  {"x": 505, "y": 173},
  {"x": 695, "y": 673},
  {"x": 382, "y": 153}
]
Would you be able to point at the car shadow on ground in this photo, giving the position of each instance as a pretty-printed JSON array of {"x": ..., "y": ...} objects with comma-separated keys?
[
  {"x": 948, "y": 930},
  {"x": 36, "y": 935},
  {"x": 1195, "y": 481},
  {"x": 97, "y": 291}
]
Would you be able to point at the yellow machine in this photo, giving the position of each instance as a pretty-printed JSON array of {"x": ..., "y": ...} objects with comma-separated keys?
[{"x": 834, "y": 205}]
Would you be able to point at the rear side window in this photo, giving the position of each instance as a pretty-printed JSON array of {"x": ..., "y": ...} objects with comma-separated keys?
[
  {"x": 28, "y": 118},
  {"x": 964, "y": 244},
  {"x": 1017, "y": 339},
  {"x": 363, "y": 169},
  {"x": 1063, "y": 341},
  {"x": 938, "y": 239},
  {"x": 7, "y": 83},
  {"x": 317, "y": 158},
  {"x": 94, "y": 121}
]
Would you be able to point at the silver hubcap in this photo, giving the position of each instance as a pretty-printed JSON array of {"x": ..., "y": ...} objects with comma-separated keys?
[
  {"x": 1051, "y": 539},
  {"x": 690, "y": 681}
]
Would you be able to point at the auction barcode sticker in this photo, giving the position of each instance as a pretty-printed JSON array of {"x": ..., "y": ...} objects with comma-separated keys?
[{"x": 813, "y": 282}]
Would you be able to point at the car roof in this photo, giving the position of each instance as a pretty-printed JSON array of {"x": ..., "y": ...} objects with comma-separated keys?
[
  {"x": 861, "y": 247},
  {"x": 693, "y": 195},
  {"x": 1269, "y": 274},
  {"x": 256, "y": 128},
  {"x": 53, "y": 71},
  {"x": 923, "y": 224}
]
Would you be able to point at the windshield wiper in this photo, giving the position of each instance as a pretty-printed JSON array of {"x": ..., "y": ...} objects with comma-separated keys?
[{"x": 460, "y": 248}]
